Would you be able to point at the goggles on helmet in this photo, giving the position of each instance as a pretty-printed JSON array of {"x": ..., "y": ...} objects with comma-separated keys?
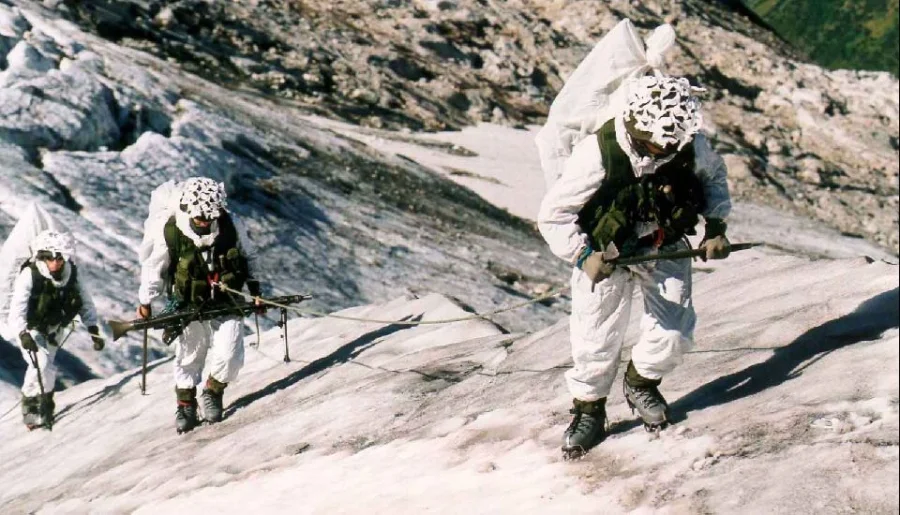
[{"x": 46, "y": 255}]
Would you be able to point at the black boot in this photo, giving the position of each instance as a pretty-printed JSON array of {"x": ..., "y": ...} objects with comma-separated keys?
[
  {"x": 643, "y": 395},
  {"x": 31, "y": 412},
  {"x": 212, "y": 400},
  {"x": 48, "y": 409},
  {"x": 186, "y": 413},
  {"x": 587, "y": 429}
]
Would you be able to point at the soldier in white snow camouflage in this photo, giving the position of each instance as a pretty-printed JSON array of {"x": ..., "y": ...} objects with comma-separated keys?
[
  {"x": 639, "y": 184},
  {"x": 199, "y": 245},
  {"x": 47, "y": 296}
]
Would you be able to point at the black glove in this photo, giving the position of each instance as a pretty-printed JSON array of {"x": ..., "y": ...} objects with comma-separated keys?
[
  {"x": 99, "y": 342},
  {"x": 714, "y": 240},
  {"x": 28, "y": 342}
]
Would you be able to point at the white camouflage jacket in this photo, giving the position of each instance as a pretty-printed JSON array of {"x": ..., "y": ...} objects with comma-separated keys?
[
  {"x": 558, "y": 215},
  {"x": 18, "y": 304}
]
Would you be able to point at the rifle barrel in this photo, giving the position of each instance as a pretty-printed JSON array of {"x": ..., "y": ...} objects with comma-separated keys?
[
  {"x": 678, "y": 254},
  {"x": 179, "y": 318},
  {"x": 119, "y": 328}
]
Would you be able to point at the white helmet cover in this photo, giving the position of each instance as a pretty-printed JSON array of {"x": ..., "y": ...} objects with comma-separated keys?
[
  {"x": 663, "y": 110},
  {"x": 202, "y": 197},
  {"x": 55, "y": 242}
]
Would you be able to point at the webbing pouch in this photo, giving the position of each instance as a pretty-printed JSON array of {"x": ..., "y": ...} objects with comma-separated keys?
[{"x": 200, "y": 291}]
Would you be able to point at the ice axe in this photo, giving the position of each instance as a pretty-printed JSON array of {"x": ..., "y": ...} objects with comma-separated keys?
[{"x": 35, "y": 362}]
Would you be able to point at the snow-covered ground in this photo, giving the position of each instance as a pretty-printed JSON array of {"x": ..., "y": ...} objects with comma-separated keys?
[{"x": 788, "y": 404}]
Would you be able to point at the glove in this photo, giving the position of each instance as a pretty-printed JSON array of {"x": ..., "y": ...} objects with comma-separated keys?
[
  {"x": 28, "y": 342},
  {"x": 144, "y": 311},
  {"x": 714, "y": 241},
  {"x": 261, "y": 308},
  {"x": 596, "y": 268},
  {"x": 99, "y": 343}
]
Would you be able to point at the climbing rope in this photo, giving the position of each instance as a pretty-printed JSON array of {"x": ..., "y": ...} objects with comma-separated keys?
[{"x": 476, "y": 316}]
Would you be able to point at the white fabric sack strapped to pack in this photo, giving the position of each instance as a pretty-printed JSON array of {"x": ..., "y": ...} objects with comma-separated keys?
[
  {"x": 163, "y": 205},
  {"x": 17, "y": 250},
  {"x": 593, "y": 94}
]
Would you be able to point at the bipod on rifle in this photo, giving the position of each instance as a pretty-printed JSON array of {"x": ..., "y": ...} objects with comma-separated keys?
[
  {"x": 256, "y": 319},
  {"x": 144, "y": 364},
  {"x": 284, "y": 334}
]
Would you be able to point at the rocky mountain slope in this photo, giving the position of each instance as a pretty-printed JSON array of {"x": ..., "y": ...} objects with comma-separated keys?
[
  {"x": 788, "y": 402},
  {"x": 822, "y": 144},
  {"x": 89, "y": 128}
]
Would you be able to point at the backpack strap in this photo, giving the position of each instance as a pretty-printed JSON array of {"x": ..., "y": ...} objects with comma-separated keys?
[
  {"x": 171, "y": 236},
  {"x": 38, "y": 281}
]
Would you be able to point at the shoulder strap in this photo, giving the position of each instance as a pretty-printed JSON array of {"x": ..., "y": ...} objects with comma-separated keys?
[
  {"x": 38, "y": 281},
  {"x": 615, "y": 161},
  {"x": 73, "y": 279},
  {"x": 171, "y": 234}
]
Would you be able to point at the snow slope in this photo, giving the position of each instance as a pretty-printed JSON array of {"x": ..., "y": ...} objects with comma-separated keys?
[{"x": 788, "y": 404}]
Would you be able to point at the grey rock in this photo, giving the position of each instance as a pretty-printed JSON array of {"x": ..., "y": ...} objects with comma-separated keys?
[
  {"x": 24, "y": 57},
  {"x": 70, "y": 109},
  {"x": 12, "y": 24},
  {"x": 738, "y": 166}
]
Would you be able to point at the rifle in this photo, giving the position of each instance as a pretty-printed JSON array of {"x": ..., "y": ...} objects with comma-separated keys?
[
  {"x": 173, "y": 323},
  {"x": 611, "y": 256}
]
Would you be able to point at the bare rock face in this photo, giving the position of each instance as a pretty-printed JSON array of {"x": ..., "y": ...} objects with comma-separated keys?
[
  {"x": 823, "y": 143},
  {"x": 42, "y": 106}
]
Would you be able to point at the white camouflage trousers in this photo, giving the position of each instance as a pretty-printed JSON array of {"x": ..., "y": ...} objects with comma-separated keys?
[
  {"x": 600, "y": 319},
  {"x": 46, "y": 357},
  {"x": 222, "y": 339}
]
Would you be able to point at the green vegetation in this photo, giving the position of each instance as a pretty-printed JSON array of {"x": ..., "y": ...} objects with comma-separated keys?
[{"x": 854, "y": 34}]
